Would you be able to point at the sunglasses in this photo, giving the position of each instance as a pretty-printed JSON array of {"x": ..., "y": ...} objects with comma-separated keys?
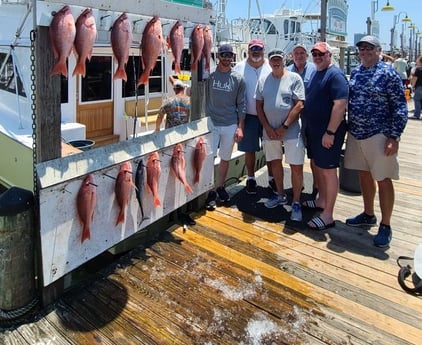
[
  {"x": 256, "y": 49},
  {"x": 367, "y": 48},
  {"x": 315, "y": 54},
  {"x": 226, "y": 55}
]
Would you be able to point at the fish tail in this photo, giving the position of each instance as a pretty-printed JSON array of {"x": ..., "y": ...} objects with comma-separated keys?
[
  {"x": 157, "y": 201},
  {"x": 188, "y": 188},
  {"x": 59, "y": 68},
  {"x": 86, "y": 234},
  {"x": 143, "y": 79},
  {"x": 121, "y": 216},
  {"x": 79, "y": 69},
  {"x": 120, "y": 74},
  {"x": 196, "y": 179}
]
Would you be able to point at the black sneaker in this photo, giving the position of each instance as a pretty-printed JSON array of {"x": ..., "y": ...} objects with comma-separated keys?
[
  {"x": 210, "y": 203},
  {"x": 222, "y": 194},
  {"x": 251, "y": 186},
  {"x": 271, "y": 186}
]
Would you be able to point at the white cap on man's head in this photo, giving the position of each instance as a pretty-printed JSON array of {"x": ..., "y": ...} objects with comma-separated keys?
[{"x": 302, "y": 46}]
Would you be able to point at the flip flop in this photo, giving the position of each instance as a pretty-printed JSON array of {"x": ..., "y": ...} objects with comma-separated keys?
[
  {"x": 319, "y": 224},
  {"x": 311, "y": 204}
]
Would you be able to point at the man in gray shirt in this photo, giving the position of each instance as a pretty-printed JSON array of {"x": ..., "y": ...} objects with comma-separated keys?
[{"x": 225, "y": 105}]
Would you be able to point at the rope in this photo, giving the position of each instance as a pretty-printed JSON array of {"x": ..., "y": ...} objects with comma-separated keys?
[{"x": 17, "y": 313}]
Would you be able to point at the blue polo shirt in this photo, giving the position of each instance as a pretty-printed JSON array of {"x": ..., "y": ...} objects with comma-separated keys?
[{"x": 307, "y": 74}]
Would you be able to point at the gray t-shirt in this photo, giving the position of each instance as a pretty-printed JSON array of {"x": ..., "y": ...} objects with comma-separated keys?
[
  {"x": 225, "y": 98},
  {"x": 278, "y": 95}
]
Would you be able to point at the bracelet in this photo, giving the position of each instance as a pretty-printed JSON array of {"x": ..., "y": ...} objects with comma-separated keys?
[{"x": 330, "y": 132}]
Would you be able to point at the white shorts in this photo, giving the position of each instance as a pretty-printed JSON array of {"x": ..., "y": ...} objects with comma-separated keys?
[
  {"x": 293, "y": 149},
  {"x": 223, "y": 141}
]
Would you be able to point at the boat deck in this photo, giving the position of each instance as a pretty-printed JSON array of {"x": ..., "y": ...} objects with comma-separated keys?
[{"x": 236, "y": 278}]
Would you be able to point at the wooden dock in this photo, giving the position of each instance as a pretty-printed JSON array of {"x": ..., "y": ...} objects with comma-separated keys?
[{"x": 234, "y": 278}]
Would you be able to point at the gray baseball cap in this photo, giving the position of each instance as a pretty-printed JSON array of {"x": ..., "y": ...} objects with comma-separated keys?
[{"x": 372, "y": 40}]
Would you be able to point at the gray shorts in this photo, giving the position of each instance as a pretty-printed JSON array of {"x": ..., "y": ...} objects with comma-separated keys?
[{"x": 368, "y": 155}]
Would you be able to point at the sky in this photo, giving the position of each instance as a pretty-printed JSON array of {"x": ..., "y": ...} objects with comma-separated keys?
[{"x": 359, "y": 10}]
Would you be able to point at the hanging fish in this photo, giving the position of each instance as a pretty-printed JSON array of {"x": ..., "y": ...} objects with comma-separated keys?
[
  {"x": 151, "y": 45},
  {"x": 139, "y": 184},
  {"x": 206, "y": 51},
  {"x": 197, "y": 45},
  {"x": 121, "y": 39},
  {"x": 85, "y": 204},
  {"x": 153, "y": 176},
  {"x": 62, "y": 32},
  {"x": 176, "y": 41},
  {"x": 178, "y": 165},
  {"x": 122, "y": 189},
  {"x": 199, "y": 157},
  {"x": 86, "y": 34}
]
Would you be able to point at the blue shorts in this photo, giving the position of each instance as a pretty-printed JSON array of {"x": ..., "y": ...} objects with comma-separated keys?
[
  {"x": 252, "y": 134},
  {"x": 325, "y": 158}
]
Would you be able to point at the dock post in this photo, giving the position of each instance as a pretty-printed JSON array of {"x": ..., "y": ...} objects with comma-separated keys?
[{"x": 17, "y": 271}]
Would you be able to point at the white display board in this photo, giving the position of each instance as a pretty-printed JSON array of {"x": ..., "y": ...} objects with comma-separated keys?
[{"x": 61, "y": 179}]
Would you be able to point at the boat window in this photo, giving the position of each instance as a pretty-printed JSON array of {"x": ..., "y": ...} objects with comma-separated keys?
[
  {"x": 257, "y": 26},
  {"x": 134, "y": 70},
  {"x": 7, "y": 77},
  {"x": 96, "y": 86}
]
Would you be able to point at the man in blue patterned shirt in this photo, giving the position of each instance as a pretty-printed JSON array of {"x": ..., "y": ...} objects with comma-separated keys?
[{"x": 377, "y": 116}]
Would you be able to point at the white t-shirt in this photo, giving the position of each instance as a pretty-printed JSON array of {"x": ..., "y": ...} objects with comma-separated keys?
[{"x": 251, "y": 76}]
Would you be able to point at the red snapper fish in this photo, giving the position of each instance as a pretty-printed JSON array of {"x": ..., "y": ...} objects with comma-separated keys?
[
  {"x": 86, "y": 34},
  {"x": 153, "y": 176},
  {"x": 197, "y": 45},
  {"x": 178, "y": 165},
  {"x": 206, "y": 51},
  {"x": 176, "y": 41},
  {"x": 151, "y": 45},
  {"x": 122, "y": 189},
  {"x": 121, "y": 39},
  {"x": 199, "y": 157},
  {"x": 85, "y": 204},
  {"x": 62, "y": 32}
]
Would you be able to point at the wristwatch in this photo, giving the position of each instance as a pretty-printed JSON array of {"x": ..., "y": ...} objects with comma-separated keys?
[
  {"x": 330, "y": 132},
  {"x": 284, "y": 126},
  {"x": 394, "y": 138}
]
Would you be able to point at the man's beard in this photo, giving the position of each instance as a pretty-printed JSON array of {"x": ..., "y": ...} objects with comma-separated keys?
[{"x": 256, "y": 58}]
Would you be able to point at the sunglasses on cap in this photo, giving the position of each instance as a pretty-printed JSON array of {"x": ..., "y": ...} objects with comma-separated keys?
[
  {"x": 256, "y": 49},
  {"x": 361, "y": 48},
  {"x": 319, "y": 54},
  {"x": 226, "y": 55}
]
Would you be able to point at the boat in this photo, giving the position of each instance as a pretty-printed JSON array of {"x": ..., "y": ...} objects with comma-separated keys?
[{"x": 282, "y": 29}]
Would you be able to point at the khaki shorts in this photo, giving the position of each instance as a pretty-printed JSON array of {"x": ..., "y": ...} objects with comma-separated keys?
[
  {"x": 294, "y": 150},
  {"x": 368, "y": 155}
]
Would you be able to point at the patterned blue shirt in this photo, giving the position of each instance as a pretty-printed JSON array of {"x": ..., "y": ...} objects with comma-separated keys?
[{"x": 377, "y": 103}]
